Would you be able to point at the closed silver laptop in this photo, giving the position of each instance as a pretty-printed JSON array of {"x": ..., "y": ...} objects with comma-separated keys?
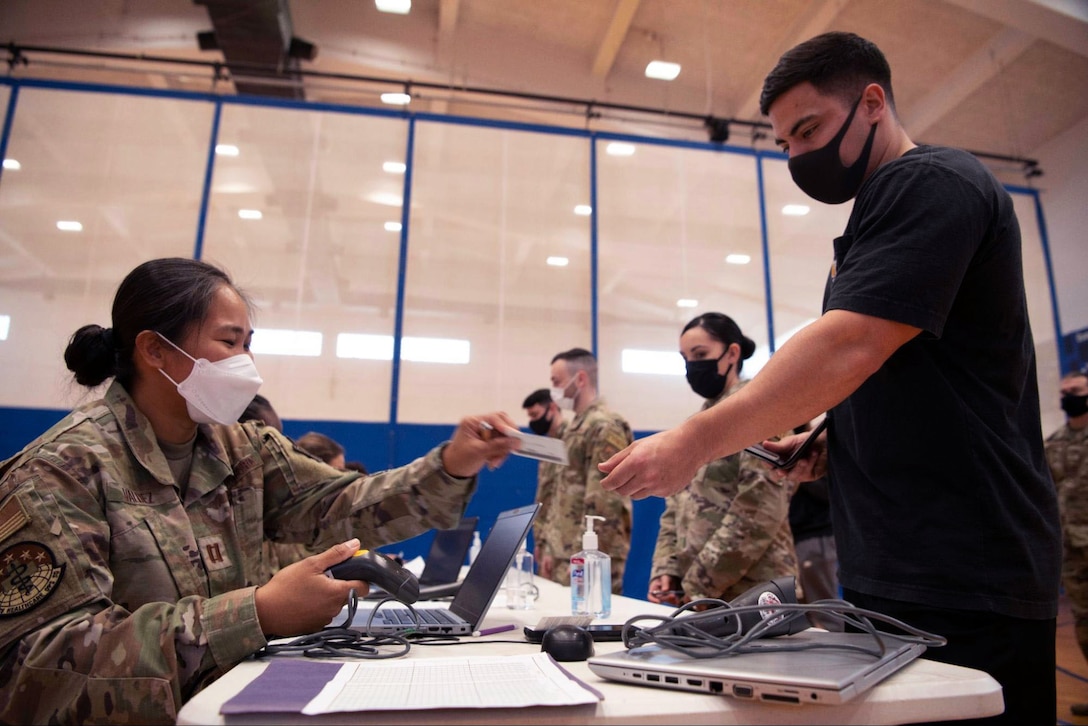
[{"x": 820, "y": 675}]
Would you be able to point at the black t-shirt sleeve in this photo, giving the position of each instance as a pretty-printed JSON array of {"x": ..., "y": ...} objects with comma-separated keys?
[{"x": 909, "y": 244}]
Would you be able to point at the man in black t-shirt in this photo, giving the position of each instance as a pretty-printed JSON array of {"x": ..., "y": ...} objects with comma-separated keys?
[{"x": 945, "y": 515}]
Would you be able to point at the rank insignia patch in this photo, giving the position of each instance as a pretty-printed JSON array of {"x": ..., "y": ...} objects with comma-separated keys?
[{"x": 28, "y": 575}]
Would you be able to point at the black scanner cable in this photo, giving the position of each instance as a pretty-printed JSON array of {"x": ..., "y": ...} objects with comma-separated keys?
[
  {"x": 340, "y": 641},
  {"x": 719, "y": 629}
]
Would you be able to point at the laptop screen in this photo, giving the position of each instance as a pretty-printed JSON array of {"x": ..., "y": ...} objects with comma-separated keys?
[
  {"x": 447, "y": 553},
  {"x": 488, "y": 570}
]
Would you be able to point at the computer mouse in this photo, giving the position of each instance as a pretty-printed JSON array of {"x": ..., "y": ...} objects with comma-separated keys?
[{"x": 567, "y": 643}]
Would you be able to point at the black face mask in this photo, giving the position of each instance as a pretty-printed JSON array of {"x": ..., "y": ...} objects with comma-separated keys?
[
  {"x": 1074, "y": 405},
  {"x": 540, "y": 426},
  {"x": 820, "y": 172},
  {"x": 703, "y": 376}
]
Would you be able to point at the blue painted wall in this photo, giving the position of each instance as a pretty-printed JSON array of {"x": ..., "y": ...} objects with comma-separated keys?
[{"x": 382, "y": 446}]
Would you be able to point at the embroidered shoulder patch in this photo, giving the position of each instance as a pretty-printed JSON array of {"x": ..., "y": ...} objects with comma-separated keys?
[{"x": 28, "y": 575}]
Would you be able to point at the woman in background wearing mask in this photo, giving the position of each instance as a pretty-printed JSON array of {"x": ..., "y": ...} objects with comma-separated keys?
[
  {"x": 130, "y": 532},
  {"x": 729, "y": 529}
]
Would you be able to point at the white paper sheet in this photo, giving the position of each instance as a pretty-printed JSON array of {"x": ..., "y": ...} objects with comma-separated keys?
[{"x": 476, "y": 682}]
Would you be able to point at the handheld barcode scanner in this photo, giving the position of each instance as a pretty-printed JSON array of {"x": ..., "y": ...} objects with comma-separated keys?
[
  {"x": 722, "y": 622},
  {"x": 375, "y": 567}
]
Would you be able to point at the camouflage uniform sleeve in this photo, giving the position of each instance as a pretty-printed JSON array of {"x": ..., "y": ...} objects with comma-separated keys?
[
  {"x": 615, "y": 533},
  {"x": 747, "y": 530},
  {"x": 666, "y": 551},
  {"x": 71, "y": 654},
  {"x": 545, "y": 493},
  {"x": 302, "y": 501}
]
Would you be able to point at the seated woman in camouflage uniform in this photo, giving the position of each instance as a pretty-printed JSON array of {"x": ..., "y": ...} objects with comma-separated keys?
[
  {"x": 729, "y": 529},
  {"x": 130, "y": 532}
]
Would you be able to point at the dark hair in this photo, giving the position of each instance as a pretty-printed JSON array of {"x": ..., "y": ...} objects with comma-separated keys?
[
  {"x": 579, "y": 359},
  {"x": 259, "y": 409},
  {"x": 169, "y": 296},
  {"x": 356, "y": 466},
  {"x": 722, "y": 327},
  {"x": 320, "y": 445},
  {"x": 540, "y": 396},
  {"x": 836, "y": 63}
]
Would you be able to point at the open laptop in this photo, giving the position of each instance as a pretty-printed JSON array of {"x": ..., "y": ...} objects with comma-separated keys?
[
  {"x": 446, "y": 556},
  {"x": 463, "y": 615},
  {"x": 442, "y": 566},
  {"x": 829, "y": 676}
]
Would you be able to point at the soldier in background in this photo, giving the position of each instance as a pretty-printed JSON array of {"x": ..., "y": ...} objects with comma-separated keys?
[
  {"x": 729, "y": 529},
  {"x": 594, "y": 435},
  {"x": 130, "y": 532},
  {"x": 1067, "y": 454},
  {"x": 545, "y": 419}
]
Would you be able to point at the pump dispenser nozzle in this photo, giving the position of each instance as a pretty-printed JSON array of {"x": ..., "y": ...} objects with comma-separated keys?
[{"x": 589, "y": 537}]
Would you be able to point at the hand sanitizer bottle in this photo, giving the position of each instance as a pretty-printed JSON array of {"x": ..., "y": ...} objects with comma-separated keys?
[
  {"x": 474, "y": 548},
  {"x": 591, "y": 576},
  {"x": 521, "y": 592}
]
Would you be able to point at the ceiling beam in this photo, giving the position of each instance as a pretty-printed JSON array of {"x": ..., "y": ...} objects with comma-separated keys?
[
  {"x": 816, "y": 18},
  {"x": 983, "y": 65},
  {"x": 1061, "y": 22},
  {"x": 613, "y": 37},
  {"x": 448, "y": 10}
]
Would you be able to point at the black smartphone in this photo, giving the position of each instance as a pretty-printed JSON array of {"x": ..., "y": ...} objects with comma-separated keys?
[
  {"x": 603, "y": 632},
  {"x": 799, "y": 452}
]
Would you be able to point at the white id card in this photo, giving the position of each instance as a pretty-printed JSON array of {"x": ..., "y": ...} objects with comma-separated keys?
[{"x": 543, "y": 448}]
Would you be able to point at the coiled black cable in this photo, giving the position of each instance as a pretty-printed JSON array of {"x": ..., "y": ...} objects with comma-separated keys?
[
  {"x": 342, "y": 642},
  {"x": 692, "y": 634}
]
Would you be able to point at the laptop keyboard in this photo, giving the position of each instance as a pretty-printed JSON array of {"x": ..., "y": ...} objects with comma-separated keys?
[{"x": 402, "y": 616}]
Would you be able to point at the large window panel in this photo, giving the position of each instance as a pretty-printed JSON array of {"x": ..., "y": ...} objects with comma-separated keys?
[
  {"x": 490, "y": 206},
  {"x": 668, "y": 219},
  {"x": 304, "y": 212},
  {"x": 800, "y": 232},
  {"x": 104, "y": 182}
]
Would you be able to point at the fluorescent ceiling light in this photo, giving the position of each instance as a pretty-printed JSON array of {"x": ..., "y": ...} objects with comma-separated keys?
[
  {"x": 420, "y": 350},
  {"x": 394, "y": 167},
  {"x": 250, "y": 213},
  {"x": 795, "y": 210},
  {"x": 272, "y": 341},
  {"x": 665, "y": 363},
  {"x": 583, "y": 210},
  {"x": 5, "y": 326},
  {"x": 396, "y": 99},
  {"x": 435, "y": 350},
  {"x": 12, "y": 165},
  {"x": 558, "y": 261},
  {"x": 69, "y": 226},
  {"x": 367, "y": 347},
  {"x": 393, "y": 226},
  {"x": 686, "y": 302},
  {"x": 400, "y": 7},
  {"x": 620, "y": 148},
  {"x": 386, "y": 199},
  {"x": 738, "y": 259},
  {"x": 226, "y": 150},
  {"x": 662, "y": 70}
]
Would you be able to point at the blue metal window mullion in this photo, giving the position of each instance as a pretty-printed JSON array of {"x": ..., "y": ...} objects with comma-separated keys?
[
  {"x": 593, "y": 264},
  {"x": 9, "y": 120},
  {"x": 402, "y": 269},
  {"x": 765, "y": 241},
  {"x": 209, "y": 170},
  {"x": 1044, "y": 239}
]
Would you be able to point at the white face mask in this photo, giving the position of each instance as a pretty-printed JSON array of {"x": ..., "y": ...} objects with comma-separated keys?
[
  {"x": 559, "y": 395},
  {"x": 218, "y": 392}
]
